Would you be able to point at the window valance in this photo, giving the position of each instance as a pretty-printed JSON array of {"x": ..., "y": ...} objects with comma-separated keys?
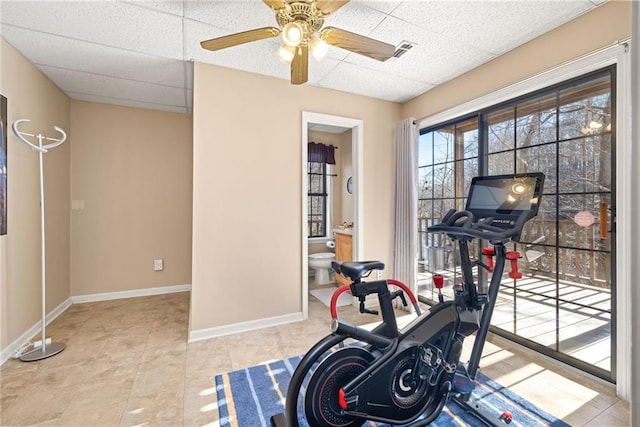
[{"x": 321, "y": 153}]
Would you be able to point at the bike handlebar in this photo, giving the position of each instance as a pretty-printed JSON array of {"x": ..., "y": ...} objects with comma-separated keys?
[{"x": 462, "y": 224}]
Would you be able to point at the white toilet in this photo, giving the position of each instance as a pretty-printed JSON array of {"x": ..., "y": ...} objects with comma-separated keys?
[{"x": 321, "y": 263}]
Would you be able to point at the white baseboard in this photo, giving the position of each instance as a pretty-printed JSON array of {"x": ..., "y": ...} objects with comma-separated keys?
[
  {"x": 78, "y": 299},
  {"x": 32, "y": 331},
  {"x": 220, "y": 331}
]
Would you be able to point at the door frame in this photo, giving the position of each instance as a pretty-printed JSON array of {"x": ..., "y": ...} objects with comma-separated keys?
[{"x": 357, "y": 140}]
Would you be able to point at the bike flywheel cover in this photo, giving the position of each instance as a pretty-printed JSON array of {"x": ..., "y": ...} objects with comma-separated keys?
[{"x": 322, "y": 404}]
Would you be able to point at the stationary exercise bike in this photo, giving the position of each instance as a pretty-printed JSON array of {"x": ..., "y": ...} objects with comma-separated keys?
[{"x": 405, "y": 376}]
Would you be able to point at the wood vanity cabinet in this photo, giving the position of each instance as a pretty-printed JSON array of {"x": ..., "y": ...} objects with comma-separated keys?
[{"x": 343, "y": 253}]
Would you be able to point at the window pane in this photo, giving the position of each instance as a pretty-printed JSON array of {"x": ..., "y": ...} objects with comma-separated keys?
[
  {"x": 443, "y": 141},
  {"x": 501, "y": 163},
  {"x": 467, "y": 139},
  {"x": 425, "y": 219},
  {"x": 425, "y": 182},
  {"x": 585, "y": 164},
  {"x": 541, "y": 158},
  {"x": 501, "y": 130},
  {"x": 316, "y": 207},
  {"x": 316, "y": 178},
  {"x": 586, "y": 109},
  {"x": 425, "y": 149},
  {"x": 538, "y": 261},
  {"x": 536, "y": 121},
  {"x": 440, "y": 208},
  {"x": 470, "y": 171},
  {"x": 542, "y": 228},
  {"x": 585, "y": 221},
  {"x": 443, "y": 180}
]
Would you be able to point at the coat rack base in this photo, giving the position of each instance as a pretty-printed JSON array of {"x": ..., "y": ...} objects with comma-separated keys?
[{"x": 39, "y": 354}]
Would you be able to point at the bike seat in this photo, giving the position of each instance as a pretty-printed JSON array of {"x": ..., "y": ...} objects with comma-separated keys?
[{"x": 356, "y": 270}]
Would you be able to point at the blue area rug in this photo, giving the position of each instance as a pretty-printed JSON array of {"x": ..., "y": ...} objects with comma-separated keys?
[{"x": 249, "y": 397}]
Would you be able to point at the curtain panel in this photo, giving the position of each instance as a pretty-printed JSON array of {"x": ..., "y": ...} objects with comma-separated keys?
[{"x": 406, "y": 204}]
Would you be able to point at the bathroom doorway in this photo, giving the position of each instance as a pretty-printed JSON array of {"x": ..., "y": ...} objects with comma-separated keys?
[{"x": 317, "y": 124}]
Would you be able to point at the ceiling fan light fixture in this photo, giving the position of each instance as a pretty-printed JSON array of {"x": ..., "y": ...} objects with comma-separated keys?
[
  {"x": 319, "y": 47},
  {"x": 292, "y": 34},
  {"x": 286, "y": 53}
]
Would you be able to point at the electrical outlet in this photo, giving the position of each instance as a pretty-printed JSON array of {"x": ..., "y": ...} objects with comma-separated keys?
[
  {"x": 158, "y": 264},
  {"x": 379, "y": 272}
]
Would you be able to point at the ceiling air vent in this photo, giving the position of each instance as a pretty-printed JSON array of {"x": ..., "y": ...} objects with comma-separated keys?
[{"x": 403, "y": 48}]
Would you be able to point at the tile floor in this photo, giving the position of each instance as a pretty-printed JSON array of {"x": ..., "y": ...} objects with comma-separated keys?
[{"x": 127, "y": 363}]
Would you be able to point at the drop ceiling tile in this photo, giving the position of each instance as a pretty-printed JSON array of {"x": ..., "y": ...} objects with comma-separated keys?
[
  {"x": 63, "y": 52},
  {"x": 350, "y": 78},
  {"x": 232, "y": 16},
  {"x": 494, "y": 26},
  {"x": 319, "y": 69},
  {"x": 433, "y": 59},
  {"x": 92, "y": 84},
  {"x": 452, "y": 37},
  {"x": 127, "y": 103},
  {"x": 355, "y": 17},
  {"x": 172, "y": 7},
  {"x": 384, "y": 6},
  {"x": 255, "y": 57},
  {"x": 109, "y": 23}
]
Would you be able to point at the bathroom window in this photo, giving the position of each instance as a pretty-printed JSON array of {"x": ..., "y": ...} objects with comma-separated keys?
[{"x": 318, "y": 200}]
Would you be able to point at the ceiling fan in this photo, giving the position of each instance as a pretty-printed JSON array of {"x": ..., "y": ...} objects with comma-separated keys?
[{"x": 300, "y": 23}]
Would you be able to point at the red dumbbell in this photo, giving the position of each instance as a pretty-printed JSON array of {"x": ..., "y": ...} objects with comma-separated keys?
[
  {"x": 489, "y": 252},
  {"x": 513, "y": 257}
]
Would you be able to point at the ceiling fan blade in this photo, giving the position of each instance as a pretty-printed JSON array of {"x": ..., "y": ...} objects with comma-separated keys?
[
  {"x": 300, "y": 65},
  {"x": 327, "y": 7},
  {"x": 357, "y": 43},
  {"x": 275, "y": 4},
  {"x": 240, "y": 38}
]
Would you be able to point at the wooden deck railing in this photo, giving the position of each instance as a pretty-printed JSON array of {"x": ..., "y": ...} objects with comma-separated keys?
[{"x": 582, "y": 254}]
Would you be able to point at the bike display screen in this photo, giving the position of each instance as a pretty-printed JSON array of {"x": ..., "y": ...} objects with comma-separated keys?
[{"x": 505, "y": 197}]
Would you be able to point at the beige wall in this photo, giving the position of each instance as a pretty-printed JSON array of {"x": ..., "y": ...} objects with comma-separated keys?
[
  {"x": 602, "y": 27},
  {"x": 247, "y": 230},
  {"x": 132, "y": 169},
  {"x": 32, "y": 96}
]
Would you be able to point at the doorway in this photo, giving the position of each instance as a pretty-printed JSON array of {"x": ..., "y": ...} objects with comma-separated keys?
[{"x": 332, "y": 124}]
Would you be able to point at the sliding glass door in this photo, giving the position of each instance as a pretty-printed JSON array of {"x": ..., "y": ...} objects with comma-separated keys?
[{"x": 564, "y": 305}]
